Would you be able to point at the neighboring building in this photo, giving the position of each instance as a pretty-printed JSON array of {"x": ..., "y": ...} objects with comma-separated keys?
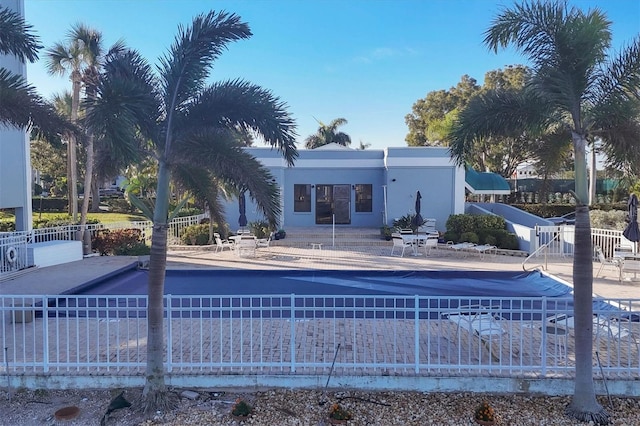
[
  {"x": 360, "y": 188},
  {"x": 15, "y": 172}
]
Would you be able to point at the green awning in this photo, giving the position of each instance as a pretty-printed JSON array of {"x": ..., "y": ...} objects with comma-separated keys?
[{"x": 485, "y": 183}]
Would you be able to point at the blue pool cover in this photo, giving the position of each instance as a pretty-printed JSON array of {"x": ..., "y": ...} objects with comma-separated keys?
[{"x": 326, "y": 282}]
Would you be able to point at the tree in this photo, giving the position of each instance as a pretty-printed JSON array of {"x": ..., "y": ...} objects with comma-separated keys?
[
  {"x": 328, "y": 133},
  {"x": 194, "y": 130},
  {"x": 576, "y": 88},
  {"x": 431, "y": 117},
  {"x": 20, "y": 105}
]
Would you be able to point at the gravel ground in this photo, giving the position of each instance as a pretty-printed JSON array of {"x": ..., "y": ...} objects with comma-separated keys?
[{"x": 301, "y": 407}]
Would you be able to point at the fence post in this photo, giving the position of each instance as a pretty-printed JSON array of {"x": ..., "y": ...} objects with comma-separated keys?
[
  {"x": 45, "y": 334},
  {"x": 416, "y": 349},
  {"x": 293, "y": 333},
  {"x": 543, "y": 328},
  {"x": 169, "y": 335}
]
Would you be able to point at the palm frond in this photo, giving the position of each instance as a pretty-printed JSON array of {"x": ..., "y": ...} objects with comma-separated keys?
[
  {"x": 186, "y": 66},
  {"x": 501, "y": 113},
  {"x": 22, "y": 107},
  {"x": 217, "y": 151},
  {"x": 16, "y": 37},
  {"x": 126, "y": 105},
  {"x": 204, "y": 187},
  {"x": 239, "y": 104}
]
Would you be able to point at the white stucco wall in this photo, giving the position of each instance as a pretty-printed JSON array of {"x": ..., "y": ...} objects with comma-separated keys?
[{"x": 15, "y": 169}]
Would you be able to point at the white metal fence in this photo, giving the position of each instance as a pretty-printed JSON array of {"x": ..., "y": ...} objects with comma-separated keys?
[
  {"x": 294, "y": 334},
  {"x": 14, "y": 246}
]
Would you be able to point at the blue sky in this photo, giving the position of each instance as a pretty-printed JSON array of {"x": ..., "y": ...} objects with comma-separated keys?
[{"x": 366, "y": 61}]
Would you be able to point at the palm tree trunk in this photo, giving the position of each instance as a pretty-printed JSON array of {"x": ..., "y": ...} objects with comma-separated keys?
[
  {"x": 583, "y": 406},
  {"x": 155, "y": 392},
  {"x": 73, "y": 163},
  {"x": 88, "y": 175}
]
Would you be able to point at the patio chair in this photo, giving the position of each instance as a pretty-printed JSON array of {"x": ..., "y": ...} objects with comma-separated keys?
[
  {"x": 222, "y": 244},
  {"x": 615, "y": 262},
  {"x": 264, "y": 242},
  {"x": 399, "y": 243},
  {"x": 246, "y": 244},
  {"x": 602, "y": 325},
  {"x": 428, "y": 243}
]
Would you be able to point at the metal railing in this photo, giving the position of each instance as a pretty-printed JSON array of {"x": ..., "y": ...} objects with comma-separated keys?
[
  {"x": 14, "y": 253},
  {"x": 298, "y": 334}
]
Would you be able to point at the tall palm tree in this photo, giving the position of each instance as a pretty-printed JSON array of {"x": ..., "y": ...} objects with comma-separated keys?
[
  {"x": 328, "y": 133},
  {"x": 576, "y": 88},
  {"x": 72, "y": 57},
  {"x": 194, "y": 130},
  {"x": 20, "y": 105}
]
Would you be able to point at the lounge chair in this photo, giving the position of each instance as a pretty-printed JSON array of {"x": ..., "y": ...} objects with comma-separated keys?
[
  {"x": 483, "y": 249},
  {"x": 400, "y": 243},
  {"x": 460, "y": 247},
  {"x": 479, "y": 321},
  {"x": 602, "y": 325}
]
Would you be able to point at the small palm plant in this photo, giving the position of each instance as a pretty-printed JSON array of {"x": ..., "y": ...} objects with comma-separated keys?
[
  {"x": 339, "y": 413},
  {"x": 241, "y": 408},
  {"x": 485, "y": 414}
]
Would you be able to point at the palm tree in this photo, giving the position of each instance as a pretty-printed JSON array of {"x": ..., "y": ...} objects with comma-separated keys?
[
  {"x": 195, "y": 131},
  {"x": 20, "y": 105},
  {"x": 576, "y": 89},
  {"x": 327, "y": 133},
  {"x": 72, "y": 57}
]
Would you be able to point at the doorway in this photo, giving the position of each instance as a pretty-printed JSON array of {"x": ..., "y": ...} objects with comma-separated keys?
[{"x": 333, "y": 200}]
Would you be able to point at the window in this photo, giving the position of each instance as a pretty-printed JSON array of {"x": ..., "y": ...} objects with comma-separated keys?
[
  {"x": 363, "y": 198},
  {"x": 302, "y": 198}
]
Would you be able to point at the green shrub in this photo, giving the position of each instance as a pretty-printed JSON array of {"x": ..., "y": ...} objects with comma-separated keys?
[
  {"x": 188, "y": 211},
  {"x": 6, "y": 226},
  {"x": 120, "y": 242},
  {"x": 489, "y": 221},
  {"x": 403, "y": 222},
  {"x": 613, "y": 219},
  {"x": 470, "y": 237},
  {"x": 119, "y": 205},
  {"x": 195, "y": 235},
  {"x": 259, "y": 228},
  {"x": 451, "y": 236},
  {"x": 461, "y": 223}
]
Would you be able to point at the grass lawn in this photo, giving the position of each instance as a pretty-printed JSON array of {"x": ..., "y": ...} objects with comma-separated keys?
[{"x": 105, "y": 217}]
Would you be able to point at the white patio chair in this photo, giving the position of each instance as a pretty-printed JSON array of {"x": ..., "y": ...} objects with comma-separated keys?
[
  {"x": 428, "y": 243},
  {"x": 480, "y": 321},
  {"x": 399, "y": 243},
  {"x": 264, "y": 242},
  {"x": 615, "y": 262},
  {"x": 222, "y": 244},
  {"x": 246, "y": 245}
]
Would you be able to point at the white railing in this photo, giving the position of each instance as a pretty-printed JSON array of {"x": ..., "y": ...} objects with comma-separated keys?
[
  {"x": 294, "y": 334},
  {"x": 13, "y": 252}
]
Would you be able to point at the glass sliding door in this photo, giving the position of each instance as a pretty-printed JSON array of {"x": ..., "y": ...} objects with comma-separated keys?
[{"x": 333, "y": 200}]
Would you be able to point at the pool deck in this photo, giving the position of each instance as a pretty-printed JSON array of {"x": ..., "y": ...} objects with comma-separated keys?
[{"x": 60, "y": 278}]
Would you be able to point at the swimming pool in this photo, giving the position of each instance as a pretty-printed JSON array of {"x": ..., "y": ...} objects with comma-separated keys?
[
  {"x": 334, "y": 282},
  {"x": 308, "y": 294}
]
